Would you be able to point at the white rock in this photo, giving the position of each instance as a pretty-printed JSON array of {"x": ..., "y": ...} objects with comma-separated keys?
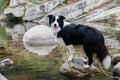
[
  {"x": 2, "y": 77},
  {"x": 39, "y": 39},
  {"x": 16, "y": 11},
  {"x": 14, "y": 3},
  {"x": 32, "y": 14},
  {"x": 65, "y": 68},
  {"x": 115, "y": 55},
  {"x": 66, "y": 11},
  {"x": 35, "y": 11},
  {"x": 106, "y": 14},
  {"x": 7, "y": 62},
  {"x": 50, "y": 5}
]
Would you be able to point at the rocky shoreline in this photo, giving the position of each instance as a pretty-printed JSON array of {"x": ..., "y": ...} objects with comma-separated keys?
[{"x": 85, "y": 10}]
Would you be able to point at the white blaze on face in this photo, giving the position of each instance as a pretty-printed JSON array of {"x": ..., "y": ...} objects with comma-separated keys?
[{"x": 55, "y": 25}]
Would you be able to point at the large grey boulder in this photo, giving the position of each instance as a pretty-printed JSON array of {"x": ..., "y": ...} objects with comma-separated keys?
[{"x": 116, "y": 72}]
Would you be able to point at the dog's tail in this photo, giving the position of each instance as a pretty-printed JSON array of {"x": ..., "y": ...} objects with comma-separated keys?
[
  {"x": 103, "y": 55},
  {"x": 107, "y": 62}
]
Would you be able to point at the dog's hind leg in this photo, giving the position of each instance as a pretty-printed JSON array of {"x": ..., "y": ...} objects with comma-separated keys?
[
  {"x": 71, "y": 52},
  {"x": 89, "y": 55}
]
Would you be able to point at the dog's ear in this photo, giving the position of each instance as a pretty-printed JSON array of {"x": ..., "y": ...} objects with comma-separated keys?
[
  {"x": 62, "y": 17},
  {"x": 50, "y": 16}
]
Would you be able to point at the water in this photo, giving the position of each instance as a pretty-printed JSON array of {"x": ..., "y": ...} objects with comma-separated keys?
[{"x": 30, "y": 66}]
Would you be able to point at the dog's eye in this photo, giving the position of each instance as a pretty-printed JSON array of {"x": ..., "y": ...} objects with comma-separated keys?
[{"x": 58, "y": 20}]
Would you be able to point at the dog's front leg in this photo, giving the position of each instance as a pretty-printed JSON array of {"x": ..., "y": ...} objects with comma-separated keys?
[{"x": 71, "y": 52}]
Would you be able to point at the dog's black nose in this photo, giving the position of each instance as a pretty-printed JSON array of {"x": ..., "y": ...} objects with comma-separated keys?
[{"x": 55, "y": 24}]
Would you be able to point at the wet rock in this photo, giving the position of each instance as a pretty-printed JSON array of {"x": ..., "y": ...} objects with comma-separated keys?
[
  {"x": 16, "y": 32},
  {"x": 3, "y": 17},
  {"x": 115, "y": 58},
  {"x": 40, "y": 40},
  {"x": 6, "y": 63},
  {"x": 2, "y": 77},
  {"x": 75, "y": 68},
  {"x": 116, "y": 72}
]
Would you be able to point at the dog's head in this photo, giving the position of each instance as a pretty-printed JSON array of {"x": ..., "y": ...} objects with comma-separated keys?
[{"x": 56, "y": 23}]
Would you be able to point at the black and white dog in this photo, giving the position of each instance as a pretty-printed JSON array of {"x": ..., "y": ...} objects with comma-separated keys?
[{"x": 91, "y": 39}]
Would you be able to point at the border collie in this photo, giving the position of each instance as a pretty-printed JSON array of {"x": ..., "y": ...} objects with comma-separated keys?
[{"x": 91, "y": 39}]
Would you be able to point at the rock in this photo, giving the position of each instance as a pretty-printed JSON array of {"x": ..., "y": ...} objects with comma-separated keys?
[
  {"x": 2, "y": 77},
  {"x": 35, "y": 11},
  {"x": 3, "y": 17},
  {"x": 6, "y": 64},
  {"x": 114, "y": 12},
  {"x": 116, "y": 72},
  {"x": 29, "y": 25},
  {"x": 115, "y": 58},
  {"x": 16, "y": 32},
  {"x": 50, "y": 5},
  {"x": 1, "y": 64},
  {"x": 14, "y": 3},
  {"x": 40, "y": 40},
  {"x": 32, "y": 14},
  {"x": 66, "y": 11},
  {"x": 75, "y": 68},
  {"x": 16, "y": 11}
]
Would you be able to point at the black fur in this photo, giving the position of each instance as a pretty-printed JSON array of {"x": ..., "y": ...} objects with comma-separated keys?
[{"x": 91, "y": 39}]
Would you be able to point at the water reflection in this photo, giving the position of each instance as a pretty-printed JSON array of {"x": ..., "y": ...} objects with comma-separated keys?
[{"x": 40, "y": 39}]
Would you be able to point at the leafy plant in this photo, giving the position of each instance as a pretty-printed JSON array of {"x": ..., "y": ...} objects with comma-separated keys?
[{"x": 112, "y": 15}]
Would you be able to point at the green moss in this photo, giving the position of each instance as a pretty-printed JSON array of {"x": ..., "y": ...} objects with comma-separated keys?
[
  {"x": 112, "y": 15},
  {"x": 85, "y": 12},
  {"x": 3, "y": 4}
]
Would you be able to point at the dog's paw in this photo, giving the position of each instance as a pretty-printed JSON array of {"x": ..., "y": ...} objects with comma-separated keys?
[
  {"x": 86, "y": 66},
  {"x": 85, "y": 60},
  {"x": 92, "y": 67},
  {"x": 70, "y": 58}
]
